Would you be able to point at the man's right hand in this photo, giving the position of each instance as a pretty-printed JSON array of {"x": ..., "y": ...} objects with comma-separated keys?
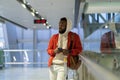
[{"x": 57, "y": 50}]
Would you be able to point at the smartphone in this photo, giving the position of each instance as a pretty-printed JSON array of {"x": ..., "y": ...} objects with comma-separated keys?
[{"x": 60, "y": 49}]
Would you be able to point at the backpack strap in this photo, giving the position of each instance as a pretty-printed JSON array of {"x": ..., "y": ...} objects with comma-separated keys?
[
  {"x": 71, "y": 42},
  {"x": 72, "y": 37}
]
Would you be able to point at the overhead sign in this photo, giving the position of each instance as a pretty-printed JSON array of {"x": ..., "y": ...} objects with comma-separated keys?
[{"x": 40, "y": 21}]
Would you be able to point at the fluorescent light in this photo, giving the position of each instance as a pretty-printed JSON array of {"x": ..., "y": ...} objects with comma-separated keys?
[
  {"x": 23, "y": 5},
  {"x": 32, "y": 13}
]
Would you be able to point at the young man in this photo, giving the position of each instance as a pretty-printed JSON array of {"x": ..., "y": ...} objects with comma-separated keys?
[{"x": 59, "y": 48}]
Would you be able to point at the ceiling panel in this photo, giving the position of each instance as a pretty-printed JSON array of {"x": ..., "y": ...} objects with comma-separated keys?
[
  {"x": 52, "y": 10},
  {"x": 13, "y": 11},
  {"x": 102, "y": 7},
  {"x": 101, "y": 0}
]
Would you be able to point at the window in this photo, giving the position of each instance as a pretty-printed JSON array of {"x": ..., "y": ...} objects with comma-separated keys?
[{"x": 2, "y": 41}]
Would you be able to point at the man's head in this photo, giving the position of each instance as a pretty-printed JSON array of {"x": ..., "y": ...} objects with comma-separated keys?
[{"x": 62, "y": 25}]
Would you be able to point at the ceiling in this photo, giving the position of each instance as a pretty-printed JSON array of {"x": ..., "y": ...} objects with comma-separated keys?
[{"x": 52, "y": 10}]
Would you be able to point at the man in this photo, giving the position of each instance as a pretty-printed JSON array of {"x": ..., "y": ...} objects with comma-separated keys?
[{"x": 59, "y": 49}]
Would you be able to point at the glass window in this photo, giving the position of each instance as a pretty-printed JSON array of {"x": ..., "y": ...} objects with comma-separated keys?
[{"x": 1, "y": 36}]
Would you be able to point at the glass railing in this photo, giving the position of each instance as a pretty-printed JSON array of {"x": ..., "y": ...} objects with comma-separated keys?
[
  {"x": 98, "y": 66},
  {"x": 25, "y": 57}
]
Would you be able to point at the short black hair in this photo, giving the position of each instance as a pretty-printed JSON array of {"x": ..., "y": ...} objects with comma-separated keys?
[{"x": 63, "y": 19}]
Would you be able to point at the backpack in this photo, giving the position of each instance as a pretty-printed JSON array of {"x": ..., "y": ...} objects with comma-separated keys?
[{"x": 75, "y": 62}]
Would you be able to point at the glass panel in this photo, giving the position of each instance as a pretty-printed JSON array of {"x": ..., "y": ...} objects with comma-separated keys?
[{"x": 2, "y": 44}]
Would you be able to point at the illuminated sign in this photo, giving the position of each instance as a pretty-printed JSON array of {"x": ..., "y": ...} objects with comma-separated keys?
[{"x": 40, "y": 21}]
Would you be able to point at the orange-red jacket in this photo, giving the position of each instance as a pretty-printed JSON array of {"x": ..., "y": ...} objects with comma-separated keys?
[{"x": 76, "y": 48}]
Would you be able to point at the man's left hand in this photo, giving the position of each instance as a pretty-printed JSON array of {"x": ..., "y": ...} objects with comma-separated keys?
[{"x": 65, "y": 51}]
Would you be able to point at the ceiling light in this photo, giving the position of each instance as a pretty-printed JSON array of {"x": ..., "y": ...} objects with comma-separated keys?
[
  {"x": 106, "y": 26},
  {"x": 21, "y": 1},
  {"x": 44, "y": 24},
  {"x": 32, "y": 13},
  {"x": 49, "y": 26},
  {"x": 37, "y": 15},
  {"x": 47, "y": 22},
  {"x": 23, "y": 5},
  {"x": 36, "y": 12},
  {"x": 42, "y": 18}
]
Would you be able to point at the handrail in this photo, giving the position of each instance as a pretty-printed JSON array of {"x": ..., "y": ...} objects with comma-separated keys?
[
  {"x": 98, "y": 71},
  {"x": 15, "y": 50},
  {"x": 26, "y": 63}
]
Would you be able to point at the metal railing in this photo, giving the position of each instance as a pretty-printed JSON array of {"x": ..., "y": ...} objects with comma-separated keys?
[
  {"x": 26, "y": 57},
  {"x": 91, "y": 69}
]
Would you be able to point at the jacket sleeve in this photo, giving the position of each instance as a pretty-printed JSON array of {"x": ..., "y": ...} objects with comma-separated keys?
[
  {"x": 50, "y": 48},
  {"x": 77, "y": 45}
]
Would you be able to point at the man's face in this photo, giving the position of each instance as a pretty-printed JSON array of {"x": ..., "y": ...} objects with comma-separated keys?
[{"x": 62, "y": 26}]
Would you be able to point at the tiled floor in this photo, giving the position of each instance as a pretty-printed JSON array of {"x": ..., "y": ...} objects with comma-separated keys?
[{"x": 24, "y": 74}]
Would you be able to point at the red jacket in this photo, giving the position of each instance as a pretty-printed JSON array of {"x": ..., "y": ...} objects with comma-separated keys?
[{"x": 77, "y": 46}]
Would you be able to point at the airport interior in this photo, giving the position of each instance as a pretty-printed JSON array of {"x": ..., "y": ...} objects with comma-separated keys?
[{"x": 26, "y": 27}]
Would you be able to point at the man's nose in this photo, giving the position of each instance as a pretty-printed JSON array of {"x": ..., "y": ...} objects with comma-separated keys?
[{"x": 60, "y": 24}]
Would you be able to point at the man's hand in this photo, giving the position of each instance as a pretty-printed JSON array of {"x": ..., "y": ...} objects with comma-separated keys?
[
  {"x": 57, "y": 50},
  {"x": 65, "y": 51}
]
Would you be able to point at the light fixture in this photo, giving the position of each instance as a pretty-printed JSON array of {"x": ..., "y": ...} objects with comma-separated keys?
[
  {"x": 49, "y": 26},
  {"x": 22, "y": 1},
  {"x": 106, "y": 26},
  {"x": 23, "y": 5},
  {"x": 32, "y": 13},
  {"x": 35, "y": 13}
]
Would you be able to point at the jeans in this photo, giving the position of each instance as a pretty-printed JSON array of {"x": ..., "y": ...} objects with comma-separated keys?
[{"x": 58, "y": 72}]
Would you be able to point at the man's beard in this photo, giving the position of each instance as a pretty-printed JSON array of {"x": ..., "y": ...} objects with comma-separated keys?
[{"x": 62, "y": 31}]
